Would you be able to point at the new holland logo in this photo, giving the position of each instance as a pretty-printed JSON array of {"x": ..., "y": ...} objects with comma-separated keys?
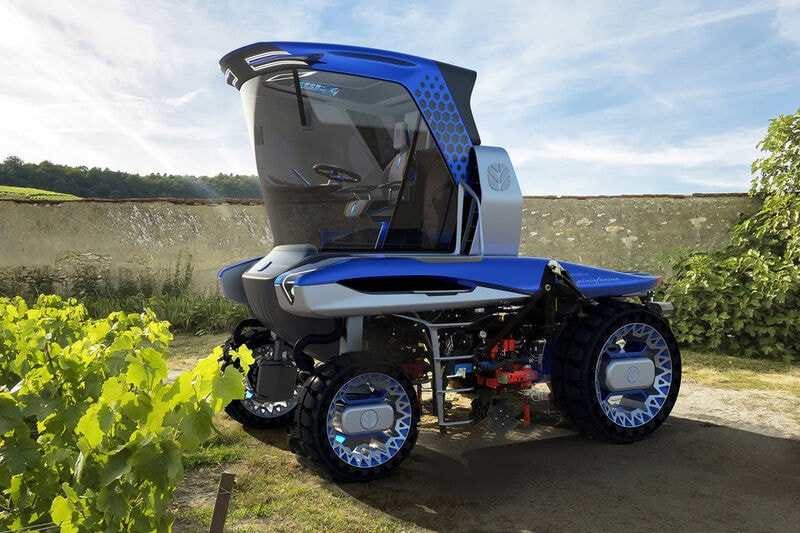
[{"x": 499, "y": 177}]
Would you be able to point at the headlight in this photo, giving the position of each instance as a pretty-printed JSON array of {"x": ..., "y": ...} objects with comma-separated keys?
[{"x": 287, "y": 284}]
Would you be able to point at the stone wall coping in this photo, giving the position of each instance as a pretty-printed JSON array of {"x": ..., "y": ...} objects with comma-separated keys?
[{"x": 254, "y": 201}]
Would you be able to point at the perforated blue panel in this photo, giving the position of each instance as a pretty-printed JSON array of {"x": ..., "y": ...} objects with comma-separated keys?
[{"x": 436, "y": 104}]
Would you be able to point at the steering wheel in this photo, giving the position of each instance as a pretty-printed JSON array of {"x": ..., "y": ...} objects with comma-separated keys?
[{"x": 335, "y": 173}]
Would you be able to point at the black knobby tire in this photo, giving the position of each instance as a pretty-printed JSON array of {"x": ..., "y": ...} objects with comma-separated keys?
[
  {"x": 590, "y": 342},
  {"x": 243, "y": 412},
  {"x": 249, "y": 412},
  {"x": 317, "y": 430}
]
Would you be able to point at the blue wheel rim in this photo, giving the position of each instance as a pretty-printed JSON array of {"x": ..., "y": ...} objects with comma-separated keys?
[
  {"x": 368, "y": 451},
  {"x": 635, "y": 408}
]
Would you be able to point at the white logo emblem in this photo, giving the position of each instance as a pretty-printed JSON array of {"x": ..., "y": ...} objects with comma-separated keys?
[
  {"x": 499, "y": 177},
  {"x": 369, "y": 419}
]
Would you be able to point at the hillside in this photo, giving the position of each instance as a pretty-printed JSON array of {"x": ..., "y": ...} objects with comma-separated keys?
[
  {"x": 95, "y": 182},
  {"x": 8, "y": 192}
]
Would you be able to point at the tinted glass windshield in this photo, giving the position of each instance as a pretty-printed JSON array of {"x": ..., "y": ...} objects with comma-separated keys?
[{"x": 348, "y": 163}]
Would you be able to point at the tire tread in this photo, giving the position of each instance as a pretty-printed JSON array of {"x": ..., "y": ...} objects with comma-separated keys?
[{"x": 573, "y": 370}]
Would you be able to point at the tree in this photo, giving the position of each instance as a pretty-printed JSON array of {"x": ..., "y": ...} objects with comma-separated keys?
[
  {"x": 746, "y": 299},
  {"x": 775, "y": 228},
  {"x": 12, "y": 171},
  {"x": 104, "y": 183}
]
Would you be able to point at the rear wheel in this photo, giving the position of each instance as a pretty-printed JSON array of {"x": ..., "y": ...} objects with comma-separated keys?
[
  {"x": 257, "y": 414},
  {"x": 357, "y": 417},
  {"x": 616, "y": 372},
  {"x": 255, "y": 411}
]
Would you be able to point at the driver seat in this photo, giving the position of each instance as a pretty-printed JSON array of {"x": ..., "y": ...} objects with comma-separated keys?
[
  {"x": 392, "y": 176},
  {"x": 391, "y": 179}
]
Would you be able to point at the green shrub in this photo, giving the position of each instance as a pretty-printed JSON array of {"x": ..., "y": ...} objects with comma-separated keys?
[
  {"x": 171, "y": 295},
  {"x": 91, "y": 433},
  {"x": 199, "y": 313},
  {"x": 745, "y": 300},
  {"x": 27, "y": 282}
]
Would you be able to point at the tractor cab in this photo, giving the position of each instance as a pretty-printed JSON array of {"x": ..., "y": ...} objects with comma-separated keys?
[{"x": 363, "y": 151}]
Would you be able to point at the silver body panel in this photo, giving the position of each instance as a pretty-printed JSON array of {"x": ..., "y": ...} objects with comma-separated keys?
[
  {"x": 259, "y": 286},
  {"x": 501, "y": 203},
  {"x": 332, "y": 300}
]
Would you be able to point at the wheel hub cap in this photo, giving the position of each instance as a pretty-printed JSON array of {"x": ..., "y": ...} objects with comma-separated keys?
[
  {"x": 633, "y": 375},
  {"x": 630, "y": 374},
  {"x": 369, "y": 420}
]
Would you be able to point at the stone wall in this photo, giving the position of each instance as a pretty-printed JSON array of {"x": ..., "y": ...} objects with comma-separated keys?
[
  {"x": 150, "y": 236},
  {"x": 631, "y": 233}
]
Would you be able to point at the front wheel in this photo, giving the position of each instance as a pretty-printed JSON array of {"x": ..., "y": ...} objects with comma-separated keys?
[
  {"x": 616, "y": 372},
  {"x": 357, "y": 417}
]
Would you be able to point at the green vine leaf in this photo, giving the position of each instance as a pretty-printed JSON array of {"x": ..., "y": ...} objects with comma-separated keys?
[{"x": 91, "y": 434}]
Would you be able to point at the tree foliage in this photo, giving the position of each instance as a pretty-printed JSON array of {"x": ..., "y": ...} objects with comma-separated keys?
[
  {"x": 746, "y": 298},
  {"x": 91, "y": 432},
  {"x": 104, "y": 183}
]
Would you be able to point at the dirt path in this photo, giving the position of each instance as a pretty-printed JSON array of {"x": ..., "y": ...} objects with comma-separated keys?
[{"x": 724, "y": 461}]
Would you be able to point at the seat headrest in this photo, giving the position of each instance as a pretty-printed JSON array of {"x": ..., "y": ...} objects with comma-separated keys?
[{"x": 401, "y": 141}]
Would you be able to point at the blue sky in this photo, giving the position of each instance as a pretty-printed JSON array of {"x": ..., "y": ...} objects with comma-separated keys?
[{"x": 589, "y": 97}]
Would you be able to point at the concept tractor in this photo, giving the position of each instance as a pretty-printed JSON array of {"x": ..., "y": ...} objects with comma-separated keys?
[{"x": 396, "y": 265}]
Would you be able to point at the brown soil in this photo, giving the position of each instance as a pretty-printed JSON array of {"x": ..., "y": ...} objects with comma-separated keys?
[{"x": 725, "y": 460}]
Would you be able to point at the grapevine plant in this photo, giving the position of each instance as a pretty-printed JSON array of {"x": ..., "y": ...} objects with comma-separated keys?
[
  {"x": 745, "y": 300},
  {"x": 91, "y": 430}
]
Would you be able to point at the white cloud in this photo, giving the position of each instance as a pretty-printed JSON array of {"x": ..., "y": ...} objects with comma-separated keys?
[
  {"x": 604, "y": 165},
  {"x": 729, "y": 149},
  {"x": 184, "y": 99},
  {"x": 582, "y": 94},
  {"x": 99, "y": 84},
  {"x": 787, "y": 20}
]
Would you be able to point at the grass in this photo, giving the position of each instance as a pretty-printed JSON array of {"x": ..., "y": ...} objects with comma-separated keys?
[
  {"x": 275, "y": 492},
  {"x": 185, "y": 350},
  {"x": 8, "y": 192},
  {"x": 222, "y": 448},
  {"x": 168, "y": 292},
  {"x": 739, "y": 373}
]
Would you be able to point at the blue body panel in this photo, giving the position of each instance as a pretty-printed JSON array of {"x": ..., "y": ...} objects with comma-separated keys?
[
  {"x": 599, "y": 283},
  {"x": 516, "y": 274}
]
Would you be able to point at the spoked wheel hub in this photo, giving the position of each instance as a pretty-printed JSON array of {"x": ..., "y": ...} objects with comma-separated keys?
[
  {"x": 268, "y": 409},
  {"x": 257, "y": 410},
  {"x": 616, "y": 371}
]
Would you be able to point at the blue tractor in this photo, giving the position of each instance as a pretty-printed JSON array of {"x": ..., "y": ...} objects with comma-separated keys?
[{"x": 395, "y": 265}]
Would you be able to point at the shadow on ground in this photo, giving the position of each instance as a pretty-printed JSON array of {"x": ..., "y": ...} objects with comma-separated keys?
[{"x": 689, "y": 475}]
